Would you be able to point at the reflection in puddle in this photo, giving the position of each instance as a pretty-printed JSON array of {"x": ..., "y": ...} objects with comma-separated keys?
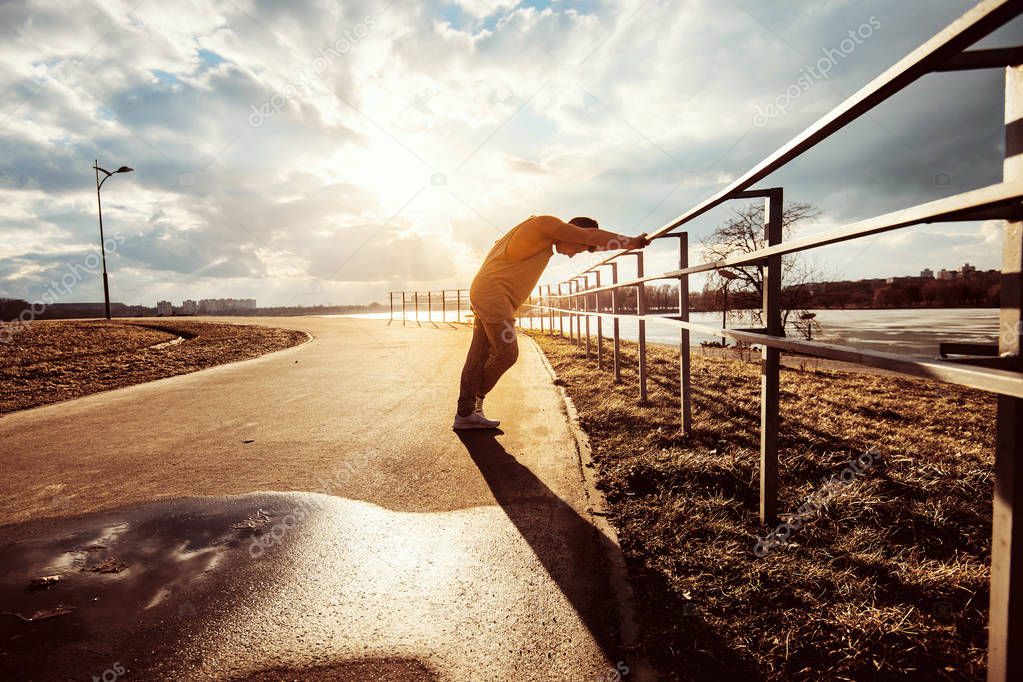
[{"x": 93, "y": 588}]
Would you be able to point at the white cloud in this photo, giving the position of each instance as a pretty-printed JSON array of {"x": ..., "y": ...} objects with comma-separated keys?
[{"x": 425, "y": 129}]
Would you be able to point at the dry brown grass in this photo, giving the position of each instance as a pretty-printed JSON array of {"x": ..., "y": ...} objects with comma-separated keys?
[
  {"x": 51, "y": 361},
  {"x": 887, "y": 579}
]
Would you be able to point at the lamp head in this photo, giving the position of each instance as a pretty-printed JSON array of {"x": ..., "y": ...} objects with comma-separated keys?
[{"x": 124, "y": 169}]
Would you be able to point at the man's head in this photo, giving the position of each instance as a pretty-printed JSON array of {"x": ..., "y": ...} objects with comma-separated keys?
[{"x": 571, "y": 248}]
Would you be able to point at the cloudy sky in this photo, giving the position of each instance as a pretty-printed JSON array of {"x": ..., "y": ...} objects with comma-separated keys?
[{"x": 323, "y": 153}]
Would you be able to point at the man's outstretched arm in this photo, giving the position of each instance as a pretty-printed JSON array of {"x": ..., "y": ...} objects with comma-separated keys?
[{"x": 602, "y": 240}]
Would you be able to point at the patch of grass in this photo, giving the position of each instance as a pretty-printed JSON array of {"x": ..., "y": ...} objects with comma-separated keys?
[
  {"x": 887, "y": 577},
  {"x": 57, "y": 360}
]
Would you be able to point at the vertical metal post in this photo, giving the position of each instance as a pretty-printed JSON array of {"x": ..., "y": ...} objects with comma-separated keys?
[
  {"x": 641, "y": 309},
  {"x": 724, "y": 311},
  {"x": 102, "y": 242},
  {"x": 540, "y": 311},
  {"x": 561, "y": 315},
  {"x": 574, "y": 320},
  {"x": 1005, "y": 620},
  {"x": 770, "y": 365},
  {"x": 417, "y": 307},
  {"x": 403, "y": 315},
  {"x": 458, "y": 305},
  {"x": 573, "y": 286},
  {"x": 443, "y": 305},
  {"x": 578, "y": 318},
  {"x": 684, "y": 358},
  {"x": 600, "y": 325},
  {"x": 429, "y": 306},
  {"x": 566, "y": 304},
  {"x": 550, "y": 304},
  {"x": 586, "y": 309},
  {"x": 615, "y": 331},
  {"x": 390, "y": 305}
]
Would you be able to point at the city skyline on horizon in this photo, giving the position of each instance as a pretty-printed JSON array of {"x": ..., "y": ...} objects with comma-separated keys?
[{"x": 200, "y": 301}]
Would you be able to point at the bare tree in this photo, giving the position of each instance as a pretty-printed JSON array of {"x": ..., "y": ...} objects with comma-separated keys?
[{"x": 744, "y": 233}]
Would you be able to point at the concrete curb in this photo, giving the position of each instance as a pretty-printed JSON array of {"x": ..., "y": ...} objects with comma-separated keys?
[{"x": 639, "y": 669}]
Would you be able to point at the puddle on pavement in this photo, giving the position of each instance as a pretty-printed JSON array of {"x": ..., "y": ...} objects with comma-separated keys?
[
  {"x": 78, "y": 595},
  {"x": 306, "y": 586}
]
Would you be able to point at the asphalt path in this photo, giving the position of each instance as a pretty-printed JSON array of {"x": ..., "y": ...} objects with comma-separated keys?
[{"x": 309, "y": 513}]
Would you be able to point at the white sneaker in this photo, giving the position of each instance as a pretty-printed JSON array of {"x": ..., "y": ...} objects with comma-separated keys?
[{"x": 476, "y": 420}]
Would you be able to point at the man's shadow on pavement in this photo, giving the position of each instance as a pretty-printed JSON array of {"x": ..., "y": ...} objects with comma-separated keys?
[
  {"x": 572, "y": 549},
  {"x": 574, "y": 552}
]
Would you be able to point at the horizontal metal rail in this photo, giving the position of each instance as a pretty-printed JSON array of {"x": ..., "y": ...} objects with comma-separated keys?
[
  {"x": 1003, "y": 196},
  {"x": 981, "y": 378}
]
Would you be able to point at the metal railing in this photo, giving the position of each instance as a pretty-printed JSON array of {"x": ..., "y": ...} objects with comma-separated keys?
[
  {"x": 1001, "y": 372},
  {"x": 401, "y": 302}
]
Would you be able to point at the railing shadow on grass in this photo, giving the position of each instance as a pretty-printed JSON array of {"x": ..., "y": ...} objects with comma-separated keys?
[{"x": 573, "y": 552}]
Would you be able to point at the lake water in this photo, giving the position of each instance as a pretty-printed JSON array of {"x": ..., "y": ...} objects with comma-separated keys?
[{"x": 906, "y": 331}]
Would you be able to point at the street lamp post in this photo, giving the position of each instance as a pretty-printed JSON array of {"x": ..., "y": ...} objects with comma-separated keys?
[{"x": 102, "y": 242}]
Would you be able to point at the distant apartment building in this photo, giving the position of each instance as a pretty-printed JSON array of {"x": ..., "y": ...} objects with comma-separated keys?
[
  {"x": 967, "y": 269},
  {"x": 189, "y": 307},
  {"x": 164, "y": 308},
  {"x": 226, "y": 306},
  {"x": 900, "y": 280}
]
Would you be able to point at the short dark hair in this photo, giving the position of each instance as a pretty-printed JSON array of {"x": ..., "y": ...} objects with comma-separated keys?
[{"x": 588, "y": 223}]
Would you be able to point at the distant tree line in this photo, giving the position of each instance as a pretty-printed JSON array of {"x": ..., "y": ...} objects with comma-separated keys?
[
  {"x": 12, "y": 308},
  {"x": 283, "y": 311},
  {"x": 976, "y": 289}
]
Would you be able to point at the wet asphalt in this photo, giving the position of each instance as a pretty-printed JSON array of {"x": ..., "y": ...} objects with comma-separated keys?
[{"x": 305, "y": 515}]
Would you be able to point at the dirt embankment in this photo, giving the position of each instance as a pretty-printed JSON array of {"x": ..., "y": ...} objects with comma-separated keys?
[
  {"x": 883, "y": 572},
  {"x": 50, "y": 361}
]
